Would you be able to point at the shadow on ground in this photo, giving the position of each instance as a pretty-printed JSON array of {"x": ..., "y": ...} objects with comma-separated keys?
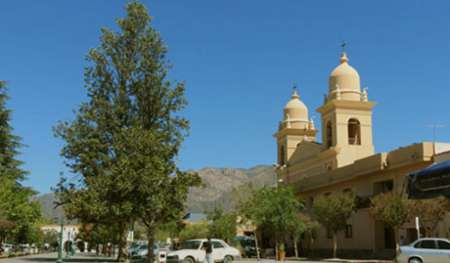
[{"x": 78, "y": 260}]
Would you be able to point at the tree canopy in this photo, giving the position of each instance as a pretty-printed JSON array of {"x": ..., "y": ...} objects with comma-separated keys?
[
  {"x": 392, "y": 209},
  {"x": 275, "y": 209},
  {"x": 222, "y": 225},
  {"x": 333, "y": 212},
  {"x": 18, "y": 213},
  {"x": 124, "y": 141}
]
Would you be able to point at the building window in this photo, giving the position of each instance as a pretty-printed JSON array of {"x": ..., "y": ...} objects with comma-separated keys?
[
  {"x": 383, "y": 187},
  {"x": 329, "y": 234},
  {"x": 354, "y": 132},
  {"x": 349, "y": 231},
  {"x": 329, "y": 138}
]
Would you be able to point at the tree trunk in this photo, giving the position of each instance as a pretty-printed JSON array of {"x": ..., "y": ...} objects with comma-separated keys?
[
  {"x": 296, "y": 247},
  {"x": 276, "y": 249},
  {"x": 122, "y": 254},
  {"x": 151, "y": 240},
  {"x": 334, "y": 245},
  {"x": 258, "y": 256},
  {"x": 397, "y": 241}
]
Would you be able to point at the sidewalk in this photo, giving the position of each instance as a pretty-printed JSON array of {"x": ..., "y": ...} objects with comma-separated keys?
[
  {"x": 51, "y": 257},
  {"x": 305, "y": 260}
]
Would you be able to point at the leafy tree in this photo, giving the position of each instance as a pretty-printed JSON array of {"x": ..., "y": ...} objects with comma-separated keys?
[
  {"x": 309, "y": 230},
  {"x": 333, "y": 212},
  {"x": 169, "y": 230},
  {"x": 430, "y": 212},
  {"x": 192, "y": 231},
  {"x": 51, "y": 238},
  {"x": 274, "y": 209},
  {"x": 304, "y": 224},
  {"x": 5, "y": 227},
  {"x": 15, "y": 204},
  {"x": 392, "y": 209},
  {"x": 223, "y": 225},
  {"x": 124, "y": 141},
  {"x": 99, "y": 234}
]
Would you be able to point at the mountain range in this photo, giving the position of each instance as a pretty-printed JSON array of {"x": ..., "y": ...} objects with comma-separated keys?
[{"x": 219, "y": 187}]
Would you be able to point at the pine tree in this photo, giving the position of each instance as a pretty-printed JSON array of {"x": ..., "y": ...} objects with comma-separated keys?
[
  {"x": 9, "y": 143},
  {"x": 17, "y": 213}
]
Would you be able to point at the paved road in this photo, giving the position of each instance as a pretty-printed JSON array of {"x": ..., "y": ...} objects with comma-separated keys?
[
  {"x": 43, "y": 258},
  {"x": 85, "y": 258},
  {"x": 272, "y": 261}
]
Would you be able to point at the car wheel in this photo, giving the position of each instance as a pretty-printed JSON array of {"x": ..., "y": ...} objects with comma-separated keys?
[
  {"x": 188, "y": 260},
  {"x": 414, "y": 260},
  {"x": 228, "y": 259}
]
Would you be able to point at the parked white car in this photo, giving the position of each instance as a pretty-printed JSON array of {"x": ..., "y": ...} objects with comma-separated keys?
[
  {"x": 7, "y": 248},
  {"x": 140, "y": 251},
  {"x": 192, "y": 251},
  {"x": 433, "y": 250}
]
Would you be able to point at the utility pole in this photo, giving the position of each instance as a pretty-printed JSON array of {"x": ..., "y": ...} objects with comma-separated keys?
[
  {"x": 435, "y": 126},
  {"x": 60, "y": 248}
]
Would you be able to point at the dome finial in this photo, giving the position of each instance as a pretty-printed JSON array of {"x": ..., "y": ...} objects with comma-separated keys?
[
  {"x": 344, "y": 57},
  {"x": 294, "y": 92}
]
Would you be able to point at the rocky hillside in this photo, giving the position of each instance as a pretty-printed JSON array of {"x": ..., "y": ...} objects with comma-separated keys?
[
  {"x": 220, "y": 184},
  {"x": 219, "y": 187},
  {"x": 48, "y": 209}
]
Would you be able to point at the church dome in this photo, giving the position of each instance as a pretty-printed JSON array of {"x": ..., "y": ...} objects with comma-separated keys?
[
  {"x": 344, "y": 82},
  {"x": 296, "y": 112}
]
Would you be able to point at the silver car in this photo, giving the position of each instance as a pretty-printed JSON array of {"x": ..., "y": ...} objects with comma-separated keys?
[{"x": 425, "y": 250}]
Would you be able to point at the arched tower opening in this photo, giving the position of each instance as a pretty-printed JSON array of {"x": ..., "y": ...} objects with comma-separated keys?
[{"x": 354, "y": 132}]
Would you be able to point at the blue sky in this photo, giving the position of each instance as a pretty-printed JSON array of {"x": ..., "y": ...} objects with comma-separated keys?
[{"x": 239, "y": 60}]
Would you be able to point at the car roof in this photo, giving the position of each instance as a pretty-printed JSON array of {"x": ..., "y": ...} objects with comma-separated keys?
[
  {"x": 433, "y": 238},
  {"x": 204, "y": 239}
]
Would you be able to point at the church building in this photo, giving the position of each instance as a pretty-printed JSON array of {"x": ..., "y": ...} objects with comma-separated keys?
[{"x": 345, "y": 160}]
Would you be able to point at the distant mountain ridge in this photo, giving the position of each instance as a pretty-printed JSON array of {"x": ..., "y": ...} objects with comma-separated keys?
[
  {"x": 217, "y": 189},
  {"x": 219, "y": 184}
]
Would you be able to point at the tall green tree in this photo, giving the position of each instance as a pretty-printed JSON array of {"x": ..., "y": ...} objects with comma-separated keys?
[
  {"x": 430, "y": 212},
  {"x": 193, "y": 231},
  {"x": 124, "y": 140},
  {"x": 274, "y": 209},
  {"x": 392, "y": 209},
  {"x": 305, "y": 224},
  {"x": 15, "y": 199},
  {"x": 222, "y": 225},
  {"x": 333, "y": 212}
]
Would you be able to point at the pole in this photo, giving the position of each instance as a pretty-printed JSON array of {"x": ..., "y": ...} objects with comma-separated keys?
[
  {"x": 60, "y": 249},
  {"x": 417, "y": 227}
]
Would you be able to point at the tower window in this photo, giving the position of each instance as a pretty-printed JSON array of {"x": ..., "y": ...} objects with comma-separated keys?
[
  {"x": 282, "y": 155},
  {"x": 354, "y": 132},
  {"x": 329, "y": 138}
]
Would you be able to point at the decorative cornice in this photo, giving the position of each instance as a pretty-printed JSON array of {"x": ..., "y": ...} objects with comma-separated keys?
[{"x": 345, "y": 104}]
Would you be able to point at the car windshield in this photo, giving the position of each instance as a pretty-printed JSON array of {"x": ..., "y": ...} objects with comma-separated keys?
[{"x": 192, "y": 244}]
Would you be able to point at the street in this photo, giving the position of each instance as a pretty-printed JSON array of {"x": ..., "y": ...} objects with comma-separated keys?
[
  {"x": 81, "y": 258},
  {"x": 53, "y": 256}
]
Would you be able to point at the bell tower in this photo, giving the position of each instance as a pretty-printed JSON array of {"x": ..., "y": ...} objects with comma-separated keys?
[
  {"x": 294, "y": 128},
  {"x": 346, "y": 115}
]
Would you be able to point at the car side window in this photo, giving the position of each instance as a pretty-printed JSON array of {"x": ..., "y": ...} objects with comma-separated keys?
[
  {"x": 428, "y": 244},
  {"x": 217, "y": 244},
  {"x": 418, "y": 245},
  {"x": 443, "y": 245}
]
